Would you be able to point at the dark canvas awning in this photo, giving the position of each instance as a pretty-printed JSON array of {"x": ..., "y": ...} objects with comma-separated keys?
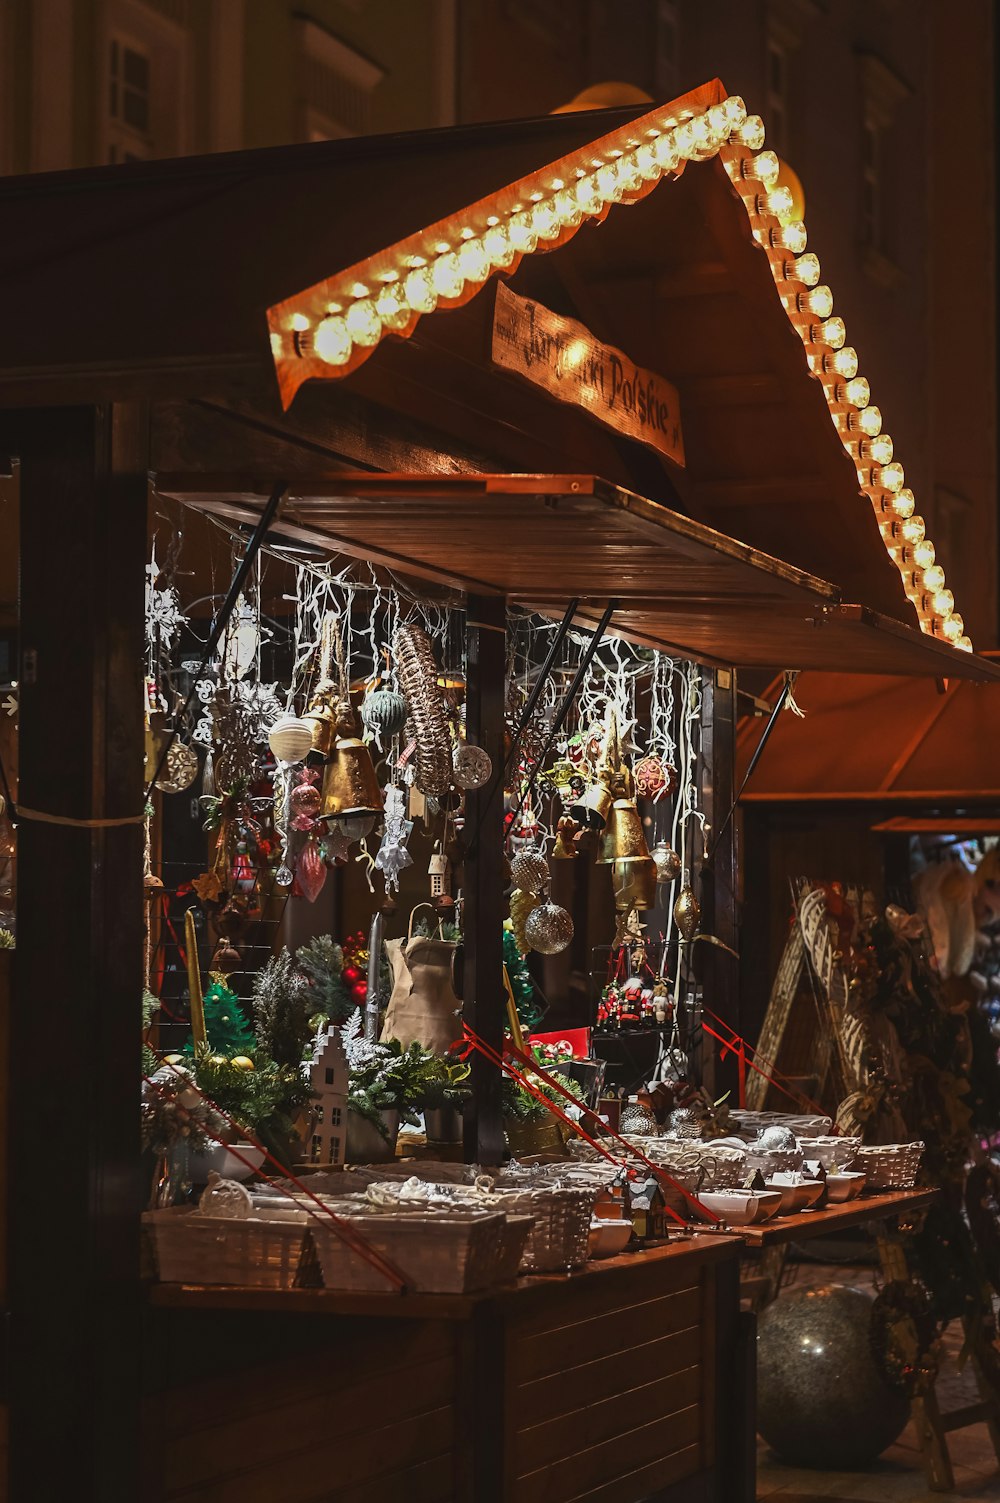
[{"x": 541, "y": 540}]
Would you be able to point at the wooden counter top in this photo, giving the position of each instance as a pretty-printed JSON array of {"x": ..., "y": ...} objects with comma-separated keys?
[
  {"x": 696, "y": 1250},
  {"x": 803, "y": 1225}
]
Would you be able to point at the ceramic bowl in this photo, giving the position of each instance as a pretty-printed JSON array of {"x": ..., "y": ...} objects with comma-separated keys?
[
  {"x": 811, "y": 1190},
  {"x": 608, "y": 1238},
  {"x": 734, "y": 1207},
  {"x": 225, "y": 1164},
  {"x": 796, "y": 1195},
  {"x": 768, "y": 1204},
  {"x": 844, "y": 1186}
]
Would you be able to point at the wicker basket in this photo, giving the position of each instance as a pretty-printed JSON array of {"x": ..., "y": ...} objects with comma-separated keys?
[
  {"x": 714, "y": 1165},
  {"x": 774, "y": 1160},
  {"x": 835, "y": 1154},
  {"x": 890, "y": 1166},
  {"x": 561, "y": 1228},
  {"x": 269, "y": 1250},
  {"x": 438, "y": 1251}
]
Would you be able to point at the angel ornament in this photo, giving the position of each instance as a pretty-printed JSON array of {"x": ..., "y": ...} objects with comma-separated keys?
[{"x": 393, "y": 856}]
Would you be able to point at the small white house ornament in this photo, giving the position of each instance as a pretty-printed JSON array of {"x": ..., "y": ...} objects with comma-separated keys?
[{"x": 328, "y": 1078}]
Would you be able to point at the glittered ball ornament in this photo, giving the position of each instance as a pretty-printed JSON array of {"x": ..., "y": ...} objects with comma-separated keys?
[
  {"x": 306, "y": 801},
  {"x": 290, "y": 738},
  {"x": 549, "y": 928},
  {"x": 529, "y": 871},
  {"x": 383, "y": 712},
  {"x": 472, "y": 767},
  {"x": 666, "y": 861},
  {"x": 687, "y": 912}
]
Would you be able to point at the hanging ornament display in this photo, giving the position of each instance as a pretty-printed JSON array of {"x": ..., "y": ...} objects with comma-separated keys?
[
  {"x": 383, "y": 714},
  {"x": 521, "y": 905},
  {"x": 418, "y": 679},
  {"x": 548, "y": 929},
  {"x": 290, "y": 739},
  {"x": 634, "y": 882},
  {"x": 565, "y": 847},
  {"x": 529, "y": 871},
  {"x": 687, "y": 911},
  {"x": 666, "y": 861},
  {"x": 439, "y": 871},
  {"x": 350, "y": 783},
  {"x": 305, "y": 802},
  {"x": 471, "y": 766},
  {"x": 393, "y": 855},
  {"x": 653, "y": 779}
]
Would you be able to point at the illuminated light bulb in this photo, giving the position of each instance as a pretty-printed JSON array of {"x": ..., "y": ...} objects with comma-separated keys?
[
  {"x": 819, "y": 301},
  {"x": 628, "y": 173},
  {"x": 751, "y": 132},
  {"x": 498, "y": 247},
  {"x": 473, "y": 261},
  {"x": 298, "y": 323},
  {"x": 545, "y": 221},
  {"x": 778, "y": 202},
  {"x": 696, "y": 137},
  {"x": 332, "y": 342},
  {"x": 877, "y": 449},
  {"x": 419, "y": 292},
  {"x": 923, "y": 554},
  {"x": 943, "y": 603},
  {"x": 446, "y": 276},
  {"x": 718, "y": 121},
  {"x": 608, "y": 183},
  {"x": 953, "y": 627},
  {"x": 791, "y": 237},
  {"x": 666, "y": 153},
  {"x": 913, "y": 529},
  {"x": 902, "y": 503},
  {"x": 931, "y": 580},
  {"x": 523, "y": 237},
  {"x": 588, "y": 195},
  {"x": 842, "y": 362},
  {"x": 391, "y": 308},
  {"x": 360, "y": 290},
  {"x": 764, "y": 167},
  {"x": 806, "y": 269},
  {"x": 567, "y": 209},
  {"x": 830, "y": 332},
  {"x": 735, "y": 111},
  {"x": 964, "y": 644},
  {"x": 856, "y": 393},
  {"x": 363, "y": 322},
  {"x": 646, "y": 163},
  {"x": 889, "y": 477}
]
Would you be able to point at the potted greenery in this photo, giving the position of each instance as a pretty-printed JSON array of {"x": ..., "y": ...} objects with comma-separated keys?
[
  {"x": 390, "y": 1084},
  {"x": 529, "y": 1125}
]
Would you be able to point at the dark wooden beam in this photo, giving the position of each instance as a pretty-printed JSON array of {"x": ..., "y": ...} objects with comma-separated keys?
[
  {"x": 485, "y": 999},
  {"x": 719, "y": 971},
  {"x": 74, "y": 1359}
]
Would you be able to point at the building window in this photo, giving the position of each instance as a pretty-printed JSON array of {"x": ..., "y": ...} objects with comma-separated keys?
[
  {"x": 335, "y": 1116},
  {"x": 667, "y": 60},
  {"x": 777, "y": 95},
  {"x": 315, "y": 1148},
  {"x": 329, "y": 1077},
  {"x": 335, "y": 85},
  {"x": 129, "y": 101}
]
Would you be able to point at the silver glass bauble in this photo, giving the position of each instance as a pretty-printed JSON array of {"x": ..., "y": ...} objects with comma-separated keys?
[
  {"x": 529, "y": 871},
  {"x": 666, "y": 861},
  {"x": 549, "y": 928}
]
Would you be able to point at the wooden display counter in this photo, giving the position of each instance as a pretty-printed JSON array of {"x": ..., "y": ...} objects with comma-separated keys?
[
  {"x": 803, "y": 1225},
  {"x": 612, "y": 1383}
]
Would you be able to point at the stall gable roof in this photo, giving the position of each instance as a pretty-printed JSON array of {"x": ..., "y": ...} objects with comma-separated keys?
[
  {"x": 330, "y": 329},
  {"x": 680, "y": 586}
]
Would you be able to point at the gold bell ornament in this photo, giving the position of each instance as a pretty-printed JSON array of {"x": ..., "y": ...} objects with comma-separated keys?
[
  {"x": 623, "y": 838},
  {"x": 351, "y": 789},
  {"x": 687, "y": 910},
  {"x": 321, "y": 718},
  {"x": 634, "y": 880}
]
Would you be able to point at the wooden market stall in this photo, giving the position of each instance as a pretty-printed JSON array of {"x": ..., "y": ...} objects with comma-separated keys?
[{"x": 136, "y": 345}]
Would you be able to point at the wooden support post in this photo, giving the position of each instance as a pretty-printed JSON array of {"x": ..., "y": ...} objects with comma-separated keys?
[
  {"x": 75, "y": 1177},
  {"x": 485, "y": 999},
  {"x": 719, "y": 971}
]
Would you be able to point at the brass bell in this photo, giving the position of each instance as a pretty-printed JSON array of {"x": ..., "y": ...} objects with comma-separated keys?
[
  {"x": 591, "y": 810},
  {"x": 623, "y": 837},
  {"x": 634, "y": 880},
  {"x": 350, "y": 783}
]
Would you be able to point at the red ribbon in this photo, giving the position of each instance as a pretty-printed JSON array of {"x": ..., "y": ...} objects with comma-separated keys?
[{"x": 739, "y": 1046}]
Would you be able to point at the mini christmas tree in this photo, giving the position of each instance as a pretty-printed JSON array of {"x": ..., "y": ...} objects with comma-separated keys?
[
  {"x": 226, "y": 1030},
  {"x": 529, "y": 1010}
]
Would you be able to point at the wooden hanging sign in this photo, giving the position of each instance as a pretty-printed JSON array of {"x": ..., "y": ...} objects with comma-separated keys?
[{"x": 565, "y": 360}]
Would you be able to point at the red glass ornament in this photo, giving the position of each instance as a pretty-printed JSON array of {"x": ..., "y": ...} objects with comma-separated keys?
[
  {"x": 351, "y": 974},
  {"x": 360, "y": 990}
]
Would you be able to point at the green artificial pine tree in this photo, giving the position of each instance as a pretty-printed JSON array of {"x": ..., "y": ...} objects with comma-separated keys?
[
  {"x": 322, "y": 964},
  {"x": 226, "y": 1030},
  {"x": 526, "y": 1000}
]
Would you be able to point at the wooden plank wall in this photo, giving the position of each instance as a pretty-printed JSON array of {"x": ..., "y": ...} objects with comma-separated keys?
[{"x": 610, "y": 1391}]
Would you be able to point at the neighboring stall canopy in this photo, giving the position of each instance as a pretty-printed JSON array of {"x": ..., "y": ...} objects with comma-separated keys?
[
  {"x": 541, "y": 540},
  {"x": 885, "y": 740},
  {"x": 153, "y": 279}
]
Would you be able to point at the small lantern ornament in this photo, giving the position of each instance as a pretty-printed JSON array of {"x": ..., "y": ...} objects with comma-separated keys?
[
  {"x": 439, "y": 871},
  {"x": 472, "y": 766},
  {"x": 549, "y": 928},
  {"x": 290, "y": 739}
]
